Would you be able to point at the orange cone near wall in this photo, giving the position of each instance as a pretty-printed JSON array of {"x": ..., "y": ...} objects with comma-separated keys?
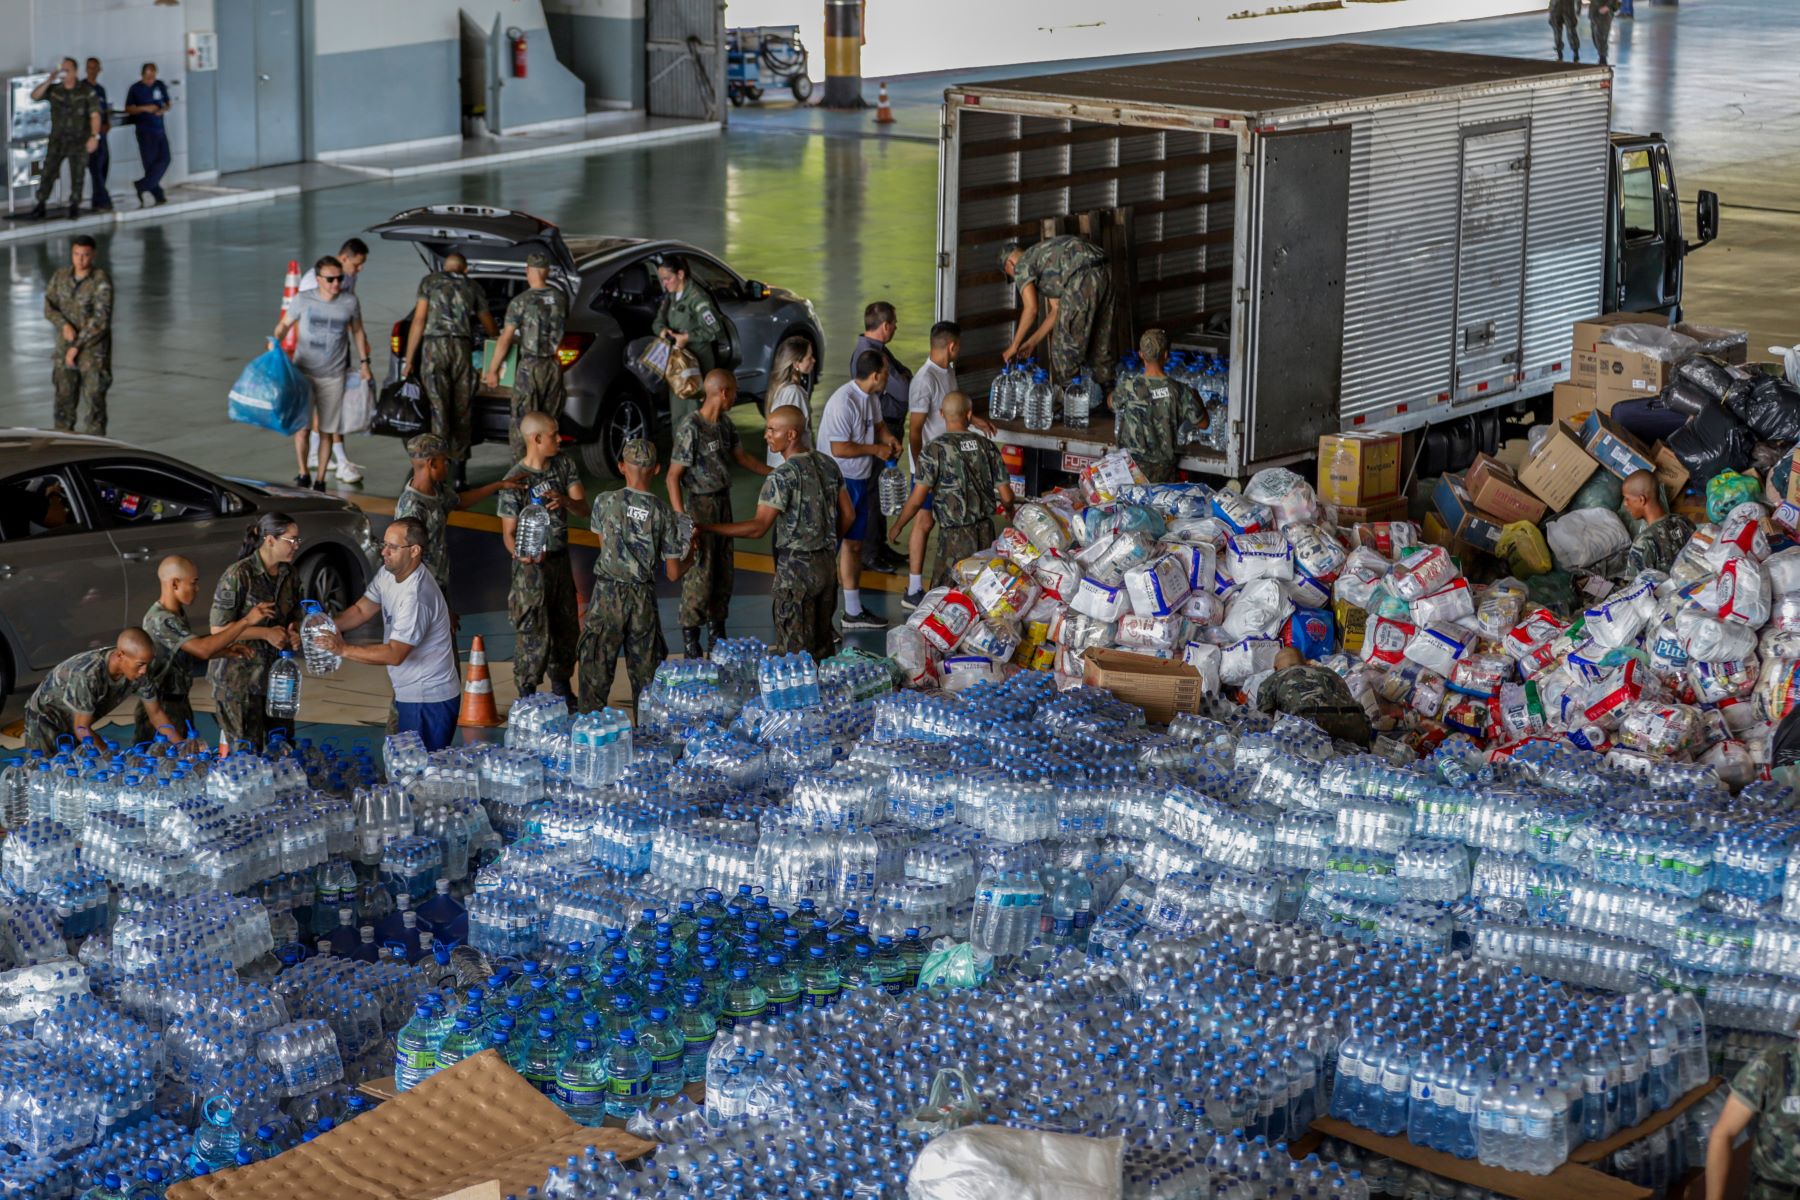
[
  {"x": 478, "y": 711},
  {"x": 290, "y": 287},
  {"x": 883, "y": 114}
]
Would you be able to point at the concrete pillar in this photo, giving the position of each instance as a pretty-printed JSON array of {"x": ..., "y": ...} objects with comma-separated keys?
[{"x": 843, "y": 54}]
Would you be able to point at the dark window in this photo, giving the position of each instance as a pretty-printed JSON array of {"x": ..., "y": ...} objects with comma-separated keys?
[
  {"x": 712, "y": 277},
  {"x": 132, "y": 493},
  {"x": 38, "y": 506},
  {"x": 1637, "y": 188}
]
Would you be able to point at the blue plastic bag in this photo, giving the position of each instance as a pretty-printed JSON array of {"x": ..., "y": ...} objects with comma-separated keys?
[{"x": 270, "y": 392}]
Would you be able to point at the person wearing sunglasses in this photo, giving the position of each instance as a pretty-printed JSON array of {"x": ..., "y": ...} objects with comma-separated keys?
[{"x": 329, "y": 319}]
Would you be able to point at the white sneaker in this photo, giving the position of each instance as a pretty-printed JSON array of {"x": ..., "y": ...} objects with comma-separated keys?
[{"x": 346, "y": 471}]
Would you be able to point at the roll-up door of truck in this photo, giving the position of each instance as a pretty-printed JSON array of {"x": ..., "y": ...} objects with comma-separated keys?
[{"x": 1490, "y": 260}]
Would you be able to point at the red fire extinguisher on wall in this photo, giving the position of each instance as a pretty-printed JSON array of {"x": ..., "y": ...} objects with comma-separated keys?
[{"x": 519, "y": 55}]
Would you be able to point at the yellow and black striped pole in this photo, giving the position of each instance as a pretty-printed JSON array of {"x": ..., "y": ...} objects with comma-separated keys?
[{"x": 843, "y": 54}]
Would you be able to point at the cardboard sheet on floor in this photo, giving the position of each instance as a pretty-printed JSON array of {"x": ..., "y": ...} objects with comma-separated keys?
[{"x": 474, "y": 1125}]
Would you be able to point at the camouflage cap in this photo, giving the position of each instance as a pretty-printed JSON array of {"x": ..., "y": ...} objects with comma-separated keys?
[
  {"x": 1007, "y": 250},
  {"x": 425, "y": 445},
  {"x": 537, "y": 258},
  {"x": 638, "y": 452}
]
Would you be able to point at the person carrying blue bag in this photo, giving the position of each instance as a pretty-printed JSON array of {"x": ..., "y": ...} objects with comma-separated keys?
[
  {"x": 329, "y": 318},
  {"x": 271, "y": 393}
]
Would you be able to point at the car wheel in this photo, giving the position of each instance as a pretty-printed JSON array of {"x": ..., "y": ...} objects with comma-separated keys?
[
  {"x": 625, "y": 415},
  {"x": 801, "y": 86},
  {"x": 323, "y": 578}
]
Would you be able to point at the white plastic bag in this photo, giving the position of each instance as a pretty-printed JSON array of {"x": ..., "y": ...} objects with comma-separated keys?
[
  {"x": 1585, "y": 536},
  {"x": 1259, "y": 607},
  {"x": 358, "y": 405},
  {"x": 994, "y": 1162}
]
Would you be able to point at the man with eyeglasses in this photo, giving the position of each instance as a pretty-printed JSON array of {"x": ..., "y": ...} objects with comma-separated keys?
[
  {"x": 329, "y": 319},
  {"x": 419, "y": 654}
]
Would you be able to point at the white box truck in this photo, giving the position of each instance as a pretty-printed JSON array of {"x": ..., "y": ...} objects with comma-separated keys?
[{"x": 1380, "y": 238}]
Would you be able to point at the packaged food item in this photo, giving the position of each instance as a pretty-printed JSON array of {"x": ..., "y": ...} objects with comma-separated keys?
[
  {"x": 942, "y": 618},
  {"x": 1617, "y": 620},
  {"x": 1239, "y": 513},
  {"x": 1285, "y": 494},
  {"x": 990, "y": 638},
  {"x": 1658, "y": 728},
  {"x": 1102, "y": 479},
  {"x": 1390, "y": 539},
  {"x": 1101, "y": 601},
  {"x": 1453, "y": 602},
  {"x": 1003, "y": 589},
  {"x": 1058, "y": 575},
  {"x": 1206, "y": 658},
  {"x": 1047, "y": 530},
  {"x": 1241, "y": 659},
  {"x": 1264, "y": 555},
  {"x": 1385, "y": 640},
  {"x": 1438, "y": 647},
  {"x": 1423, "y": 570},
  {"x": 1152, "y": 634},
  {"x": 1258, "y": 607},
  {"x": 1114, "y": 554}
]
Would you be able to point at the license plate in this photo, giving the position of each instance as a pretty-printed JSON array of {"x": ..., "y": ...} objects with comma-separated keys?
[{"x": 1074, "y": 464}]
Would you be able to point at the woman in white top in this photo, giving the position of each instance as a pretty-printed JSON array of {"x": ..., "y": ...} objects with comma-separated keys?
[{"x": 790, "y": 382}]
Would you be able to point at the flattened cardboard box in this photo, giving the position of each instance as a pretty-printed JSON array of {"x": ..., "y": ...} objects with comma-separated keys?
[{"x": 472, "y": 1125}]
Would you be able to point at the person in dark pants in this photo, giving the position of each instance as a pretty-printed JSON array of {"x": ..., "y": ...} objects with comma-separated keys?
[
  {"x": 146, "y": 104},
  {"x": 880, "y": 324},
  {"x": 74, "y": 133},
  {"x": 1600, "y": 19},
  {"x": 100, "y": 161}
]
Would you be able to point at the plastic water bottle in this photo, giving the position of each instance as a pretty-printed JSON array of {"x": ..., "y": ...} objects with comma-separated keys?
[
  {"x": 216, "y": 1141},
  {"x": 532, "y": 535},
  {"x": 627, "y": 1076},
  {"x": 314, "y": 624},
  {"x": 893, "y": 489},
  {"x": 1040, "y": 402},
  {"x": 1000, "y": 393},
  {"x": 1077, "y": 403},
  {"x": 284, "y": 687},
  {"x": 581, "y": 1084}
]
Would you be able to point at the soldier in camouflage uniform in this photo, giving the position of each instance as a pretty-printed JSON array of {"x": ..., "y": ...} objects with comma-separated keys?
[
  {"x": 1154, "y": 414},
  {"x": 79, "y": 691},
  {"x": 1316, "y": 693},
  {"x": 807, "y": 505},
  {"x": 443, "y": 322},
  {"x": 79, "y": 303},
  {"x": 706, "y": 444},
  {"x": 535, "y": 319},
  {"x": 1600, "y": 19},
  {"x": 1660, "y": 537},
  {"x": 541, "y": 602},
  {"x": 263, "y": 574},
  {"x": 178, "y": 650},
  {"x": 1071, "y": 278},
  {"x": 688, "y": 315},
  {"x": 963, "y": 475},
  {"x": 74, "y": 134},
  {"x": 636, "y": 530},
  {"x": 1766, "y": 1091},
  {"x": 429, "y": 497},
  {"x": 1565, "y": 17}
]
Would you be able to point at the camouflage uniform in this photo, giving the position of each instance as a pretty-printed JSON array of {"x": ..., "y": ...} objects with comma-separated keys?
[
  {"x": 1565, "y": 16},
  {"x": 637, "y": 531},
  {"x": 1657, "y": 544},
  {"x": 537, "y": 316},
  {"x": 70, "y": 129},
  {"x": 434, "y": 511},
  {"x": 706, "y": 449},
  {"x": 964, "y": 472},
  {"x": 87, "y": 305},
  {"x": 239, "y": 684},
  {"x": 804, "y": 489},
  {"x": 453, "y": 303},
  {"x": 695, "y": 314},
  {"x": 1770, "y": 1085},
  {"x": 1600, "y": 19},
  {"x": 172, "y": 671},
  {"x": 1150, "y": 414},
  {"x": 77, "y": 684},
  {"x": 1074, "y": 273},
  {"x": 541, "y": 602},
  {"x": 1321, "y": 696}
]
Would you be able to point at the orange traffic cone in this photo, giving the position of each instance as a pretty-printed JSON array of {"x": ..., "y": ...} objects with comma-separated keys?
[
  {"x": 478, "y": 711},
  {"x": 290, "y": 287},
  {"x": 883, "y": 114}
]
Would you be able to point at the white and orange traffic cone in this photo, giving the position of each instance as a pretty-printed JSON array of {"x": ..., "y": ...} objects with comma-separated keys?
[
  {"x": 290, "y": 287},
  {"x": 478, "y": 711},
  {"x": 884, "y": 115}
]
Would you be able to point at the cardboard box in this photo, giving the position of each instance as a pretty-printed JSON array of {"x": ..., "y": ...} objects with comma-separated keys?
[
  {"x": 1613, "y": 447},
  {"x": 1669, "y": 471},
  {"x": 1158, "y": 686},
  {"x": 1345, "y": 515},
  {"x": 1571, "y": 402},
  {"x": 1585, "y": 345},
  {"x": 1556, "y": 472},
  {"x": 476, "y": 1128},
  {"x": 1495, "y": 489},
  {"x": 1462, "y": 520},
  {"x": 1358, "y": 468},
  {"x": 1627, "y": 375},
  {"x": 1433, "y": 531}
]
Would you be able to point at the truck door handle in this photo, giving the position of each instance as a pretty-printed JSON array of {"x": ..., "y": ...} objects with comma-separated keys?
[{"x": 141, "y": 554}]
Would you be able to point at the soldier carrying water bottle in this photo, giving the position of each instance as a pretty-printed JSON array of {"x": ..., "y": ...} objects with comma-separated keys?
[{"x": 263, "y": 574}]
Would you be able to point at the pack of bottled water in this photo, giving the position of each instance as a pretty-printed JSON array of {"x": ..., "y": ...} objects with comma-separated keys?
[
  {"x": 788, "y": 681},
  {"x": 599, "y": 747}
]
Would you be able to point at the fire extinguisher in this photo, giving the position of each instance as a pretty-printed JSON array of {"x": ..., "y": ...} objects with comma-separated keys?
[{"x": 517, "y": 37}]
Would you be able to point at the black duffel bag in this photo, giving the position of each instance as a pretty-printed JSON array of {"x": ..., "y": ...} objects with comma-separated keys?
[
  {"x": 1773, "y": 410},
  {"x": 400, "y": 410},
  {"x": 1712, "y": 441}
]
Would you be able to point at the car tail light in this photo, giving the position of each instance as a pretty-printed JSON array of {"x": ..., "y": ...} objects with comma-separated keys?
[
  {"x": 396, "y": 338},
  {"x": 572, "y": 347}
]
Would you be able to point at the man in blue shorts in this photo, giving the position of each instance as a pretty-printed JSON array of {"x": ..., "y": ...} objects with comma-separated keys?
[{"x": 852, "y": 432}]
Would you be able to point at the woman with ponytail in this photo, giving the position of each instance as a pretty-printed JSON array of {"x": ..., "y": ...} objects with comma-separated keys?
[{"x": 263, "y": 573}]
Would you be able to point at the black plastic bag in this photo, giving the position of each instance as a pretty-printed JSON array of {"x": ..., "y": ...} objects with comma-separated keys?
[
  {"x": 1712, "y": 441},
  {"x": 1773, "y": 410},
  {"x": 1686, "y": 397},
  {"x": 400, "y": 410},
  {"x": 1736, "y": 399},
  {"x": 1706, "y": 373}
]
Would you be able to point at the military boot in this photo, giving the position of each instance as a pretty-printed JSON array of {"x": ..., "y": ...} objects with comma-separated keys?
[
  {"x": 718, "y": 633},
  {"x": 690, "y": 641},
  {"x": 36, "y": 213}
]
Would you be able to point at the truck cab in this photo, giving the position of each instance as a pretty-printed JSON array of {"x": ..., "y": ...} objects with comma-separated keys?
[{"x": 1646, "y": 253}]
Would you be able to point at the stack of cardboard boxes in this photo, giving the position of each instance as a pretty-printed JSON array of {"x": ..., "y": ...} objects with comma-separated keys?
[{"x": 1360, "y": 478}]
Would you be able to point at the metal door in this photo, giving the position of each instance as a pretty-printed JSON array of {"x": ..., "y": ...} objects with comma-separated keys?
[
  {"x": 1490, "y": 261},
  {"x": 259, "y": 84},
  {"x": 685, "y": 59},
  {"x": 1300, "y": 237}
]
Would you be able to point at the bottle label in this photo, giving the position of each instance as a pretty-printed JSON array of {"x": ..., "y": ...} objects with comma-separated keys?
[
  {"x": 781, "y": 1006},
  {"x": 1393, "y": 1081},
  {"x": 579, "y": 1095},
  {"x": 634, "y": 1087},
  {"x": 1421, "y": 1090},
  {"x": 416, "y": 1060},
  {"x": 1511, "y": 1125},
  {"x": 672, "y": 1064},
  {"x": 1465, "y": 1101},
  {"x": 821, "y": 997}
]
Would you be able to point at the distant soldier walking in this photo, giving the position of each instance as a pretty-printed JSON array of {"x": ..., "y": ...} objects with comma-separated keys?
[
  {"x": 1565, "y": 17},
  {"x": 79, "y": 302},
  {"x": 1600, "y": 19},
  {"x": 1068, "y": 279},
  {"x": 74, "y": 133},
  {"x": 535, "y": 319},
  {"x": 443, "y": 324}
]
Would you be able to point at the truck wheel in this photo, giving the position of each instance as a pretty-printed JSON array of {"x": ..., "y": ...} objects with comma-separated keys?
[{"x": 625, "y": 415}]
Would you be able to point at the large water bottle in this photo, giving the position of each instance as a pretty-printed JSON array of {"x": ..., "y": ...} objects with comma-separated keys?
[
  {"x": 283, "y": 695},
  {"x": 1000, "y": 393},
  {"x": 532, "y": 536},
  {"x": 1077, "y": 402},
  {"x": 216, "y": 1141},
  {"x": 893, "y": 489},
  {"x": 1040, "y": 402},
  {"x": 314, "y": 624}
]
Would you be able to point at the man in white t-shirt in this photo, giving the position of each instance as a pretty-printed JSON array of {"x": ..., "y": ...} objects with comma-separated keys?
[
  {"x": 924, "y": 424},
  {"x": 852, "y": 432},
  {"x": 420, "y": 654},
  {"x": 353, "y": 254}
]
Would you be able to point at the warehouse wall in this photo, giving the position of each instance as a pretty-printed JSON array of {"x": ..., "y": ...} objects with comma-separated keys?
[
  {"x": 937, "y": 35},
  {"x": 602, "y": 42}
]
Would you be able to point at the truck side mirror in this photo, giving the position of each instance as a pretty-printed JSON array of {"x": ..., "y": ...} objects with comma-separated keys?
[{"x": 1706, "y": 217}]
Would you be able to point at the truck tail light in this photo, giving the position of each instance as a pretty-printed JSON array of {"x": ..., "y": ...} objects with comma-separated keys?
[{"x": 397, "y": 337}]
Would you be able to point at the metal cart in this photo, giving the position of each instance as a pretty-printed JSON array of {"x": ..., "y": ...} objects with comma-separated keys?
[{"x": 765, "y": 56}]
